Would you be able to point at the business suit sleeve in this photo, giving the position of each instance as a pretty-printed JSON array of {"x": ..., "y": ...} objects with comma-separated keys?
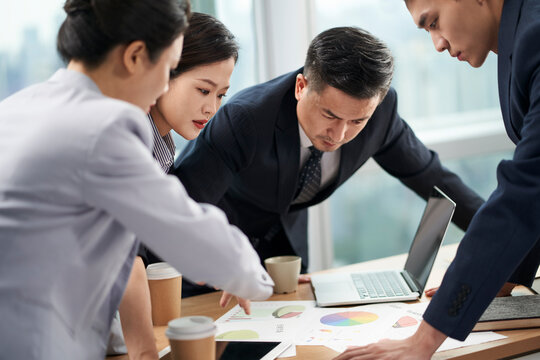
[
  {"x": 502, "y": 242},
  {"x": 207, "y": 166},
  {"x": 123, "y": 180},
  {"x": 404, "y": 156}
]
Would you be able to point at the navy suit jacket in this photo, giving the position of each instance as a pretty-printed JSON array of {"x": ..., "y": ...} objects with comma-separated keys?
[
  {"x": 247, "y": 158},
  {"x": 502, "y": 241}
]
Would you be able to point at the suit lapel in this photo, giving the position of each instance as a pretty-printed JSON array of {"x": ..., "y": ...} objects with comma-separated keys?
[
  {"x": 507, "y": 29},
  {"x": 287, "y": 141},
  {"x": 349, "y": 155}
]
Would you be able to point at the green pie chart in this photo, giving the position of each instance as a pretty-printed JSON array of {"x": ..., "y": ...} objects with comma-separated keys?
[{"x": 289, "y": 311}]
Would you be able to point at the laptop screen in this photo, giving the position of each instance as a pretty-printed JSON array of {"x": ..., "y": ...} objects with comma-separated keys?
[{"x": 429, "y": 236}]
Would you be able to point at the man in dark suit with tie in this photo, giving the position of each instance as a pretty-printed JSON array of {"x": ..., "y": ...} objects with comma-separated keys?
[
  {"x": 277, "y": 148},
  {"x": 502, "y": 243}
]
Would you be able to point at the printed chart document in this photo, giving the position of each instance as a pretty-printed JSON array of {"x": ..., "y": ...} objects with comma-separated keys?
[
  {"x": 335, "y": 328},
  {"x": 407, "y": 318},
  {"x": 269, "y": 321},
  {"x": 342, "y": 327}
]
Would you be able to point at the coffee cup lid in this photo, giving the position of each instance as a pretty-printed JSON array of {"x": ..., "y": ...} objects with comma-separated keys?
[
  {"x": 161, "y": 271},
  {"x": 191, "y": 328},
  {"x": 282, "y": 259}
]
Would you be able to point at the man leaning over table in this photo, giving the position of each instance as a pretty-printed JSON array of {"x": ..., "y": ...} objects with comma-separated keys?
[
  {"x": 502, "y": 244},
  {"x": 277, "y": 148}
]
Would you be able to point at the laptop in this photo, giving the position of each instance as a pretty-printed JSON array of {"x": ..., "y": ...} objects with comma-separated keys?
[{"x": 347, "y": 288}]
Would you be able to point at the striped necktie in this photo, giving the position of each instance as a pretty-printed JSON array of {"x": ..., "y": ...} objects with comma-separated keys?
[{"x": 310, "y": 177}]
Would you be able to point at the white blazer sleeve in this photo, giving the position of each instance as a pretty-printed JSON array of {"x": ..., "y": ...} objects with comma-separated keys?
[{"x": 123, "y": 179}]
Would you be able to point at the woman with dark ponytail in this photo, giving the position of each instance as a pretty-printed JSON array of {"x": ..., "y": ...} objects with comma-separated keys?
[
  {"x": 96, "y": 29},
  {"x": 78, "y": 185}
]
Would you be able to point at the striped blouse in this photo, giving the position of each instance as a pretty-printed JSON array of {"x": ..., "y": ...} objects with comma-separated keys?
[{"x": 164, "y": 147}]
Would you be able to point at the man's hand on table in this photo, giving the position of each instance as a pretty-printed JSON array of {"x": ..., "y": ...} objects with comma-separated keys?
[
  {"x": 506, "y": 290},
  {"x": 422, "y": 345},
  {"x": 246, "y": 304}
]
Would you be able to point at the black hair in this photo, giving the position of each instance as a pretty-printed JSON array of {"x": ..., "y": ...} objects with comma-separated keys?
[
  {"x": 351, "y": 60},
  {"x": 206, "y": 41},
  {"x": 93, "y": 27}
]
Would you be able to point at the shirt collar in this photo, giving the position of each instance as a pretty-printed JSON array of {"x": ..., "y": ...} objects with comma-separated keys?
[
  {"x": 164, "y": 148},
  {"x": 304, "y": 140}
]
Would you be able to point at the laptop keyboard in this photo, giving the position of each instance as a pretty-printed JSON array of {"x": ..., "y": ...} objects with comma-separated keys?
[{"x": 379, "y": 285}]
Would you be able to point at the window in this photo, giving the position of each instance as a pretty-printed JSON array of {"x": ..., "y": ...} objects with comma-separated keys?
[
  {"x": 374, "y": 216},
  {"x": 450, "y": 106},
  {"x": 237, "y": 17},
  {"x": 28, "y": 55},
  {"x": 28, "y": 44},
  {"x": 429, "y": 84}
]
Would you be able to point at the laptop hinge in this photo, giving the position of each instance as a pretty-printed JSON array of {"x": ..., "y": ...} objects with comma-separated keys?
[{"x": 410, "y": 281}]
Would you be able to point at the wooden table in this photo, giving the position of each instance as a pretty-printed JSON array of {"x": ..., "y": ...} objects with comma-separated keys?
[{"x": 517, "y": 341}]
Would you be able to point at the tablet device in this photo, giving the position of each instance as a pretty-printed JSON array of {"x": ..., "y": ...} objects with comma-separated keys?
[{"x": 248, "y": 350}]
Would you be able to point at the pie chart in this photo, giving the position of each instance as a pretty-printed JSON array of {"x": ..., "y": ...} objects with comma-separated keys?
[
  {"x": 349, "y": 318},
  {"x": 405, "y": 321},
  {"x": 289, "y": 311}
]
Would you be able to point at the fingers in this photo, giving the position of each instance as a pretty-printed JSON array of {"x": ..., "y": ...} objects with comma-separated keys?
[
  {"x": 406, "y": 349},
  {"x": 346, "y": 354},
  {"x": 384, "y": 349},
  {"x": 355, "y": 353},
  {"x": 431, "y": 292},
  {"x": 245, "y": 304},
  {"x": 225, "y": 298},
  {"x": 302, "y": 279}
]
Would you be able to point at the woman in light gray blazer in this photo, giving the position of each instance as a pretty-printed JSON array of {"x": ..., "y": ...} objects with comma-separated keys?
[{"x": 78, "y": 184}]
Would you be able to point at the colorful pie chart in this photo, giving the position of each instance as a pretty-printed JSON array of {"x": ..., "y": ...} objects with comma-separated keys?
[{"x": 349, "y": 318}]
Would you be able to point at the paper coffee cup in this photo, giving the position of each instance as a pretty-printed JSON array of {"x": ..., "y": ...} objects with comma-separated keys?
[
  {"x": 284, "y": 270},
  {"x": 192, "y": 337},
  {"x": 165, "y": 285}
]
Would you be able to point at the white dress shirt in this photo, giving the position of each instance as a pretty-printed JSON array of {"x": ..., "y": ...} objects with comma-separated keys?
[
  {"x": 329, "y": 161},
  {"x": 77, "y": 184}
]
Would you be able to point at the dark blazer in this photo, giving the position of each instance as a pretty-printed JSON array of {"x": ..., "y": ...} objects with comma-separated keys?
[
  {"x": 502, "y": 241},
  {"x": 247, "y": 158}
]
